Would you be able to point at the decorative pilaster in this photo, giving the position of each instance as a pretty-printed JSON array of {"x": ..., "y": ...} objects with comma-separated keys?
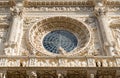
[
  {"x": 15, "y": 32},
  {"x": 107, "y": 39}
]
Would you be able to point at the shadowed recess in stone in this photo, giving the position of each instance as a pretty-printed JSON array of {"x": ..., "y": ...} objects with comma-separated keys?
[{"x": 60, "y": 38}]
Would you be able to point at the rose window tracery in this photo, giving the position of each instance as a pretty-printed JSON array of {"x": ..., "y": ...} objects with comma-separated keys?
[
  {"x": 48, "y": 35},
  {"x": 60, "y": 38}
]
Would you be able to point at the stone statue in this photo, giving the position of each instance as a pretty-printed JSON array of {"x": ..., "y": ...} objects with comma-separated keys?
[
  {"x": 60, "y": 75},
  {"x": 91, "y": 62},
  {"x": 117, "y": 36},
  {"x": 8, "y": 51},
  {"x": 111, "y": 64},
  {"x": 84, "y": 64},
  {"x": 34, "y": 74},
  {"x": 98, "y": 63},
  {"x": 104, "y": 63},
  {"x": 61, "y": 51}
]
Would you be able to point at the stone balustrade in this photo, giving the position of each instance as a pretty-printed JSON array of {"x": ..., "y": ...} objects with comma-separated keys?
[{"x": 31, "y": 61}]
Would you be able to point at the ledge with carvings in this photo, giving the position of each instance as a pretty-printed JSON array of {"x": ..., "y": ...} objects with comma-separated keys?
[{"x": 59, "y": 61}]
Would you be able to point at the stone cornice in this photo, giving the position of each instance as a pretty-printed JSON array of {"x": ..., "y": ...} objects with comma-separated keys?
[
  {"x": 32, "y": 3},
  {"x": 7, "y": 3},
  {"x": 111, "y": 2}
]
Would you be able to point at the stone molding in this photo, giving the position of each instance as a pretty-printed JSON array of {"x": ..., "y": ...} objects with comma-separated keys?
[{"x": 35, "y": 61}]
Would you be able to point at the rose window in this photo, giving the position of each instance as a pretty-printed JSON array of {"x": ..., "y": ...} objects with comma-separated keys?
[
  {"x": 48, "y": 35},
  {"x": 60, "y": 38}
]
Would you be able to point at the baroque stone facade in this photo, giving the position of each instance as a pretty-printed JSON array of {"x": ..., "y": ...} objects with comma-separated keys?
[{"x": 59, "y": 39}]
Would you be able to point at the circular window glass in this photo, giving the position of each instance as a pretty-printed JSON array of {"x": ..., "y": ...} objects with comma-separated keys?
[{"x": 60, "y": 38}]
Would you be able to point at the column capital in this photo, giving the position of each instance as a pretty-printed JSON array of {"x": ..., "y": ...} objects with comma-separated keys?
[
  {"x": 100, "y": 10},
  {"x": 15, "y": 11}
]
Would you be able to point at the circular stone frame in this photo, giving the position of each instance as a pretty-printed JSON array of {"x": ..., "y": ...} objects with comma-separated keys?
[{"x": 41, "y": 28}]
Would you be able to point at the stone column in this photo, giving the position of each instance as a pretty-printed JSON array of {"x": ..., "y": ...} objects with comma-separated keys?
[
  {"x": 15, "y": 32},
  {"x": 107, "y": 38},
  {"x": 3, "y": 74}
]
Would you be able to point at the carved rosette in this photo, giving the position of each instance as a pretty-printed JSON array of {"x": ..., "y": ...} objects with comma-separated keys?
[{"x": 41, "y": 28}]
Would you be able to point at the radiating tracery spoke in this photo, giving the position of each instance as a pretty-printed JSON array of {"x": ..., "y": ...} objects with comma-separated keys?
[{"x": 60, "y": 38}]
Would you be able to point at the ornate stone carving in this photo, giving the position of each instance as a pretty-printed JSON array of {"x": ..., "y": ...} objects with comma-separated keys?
[
  {"x": 59, "y": 3},
  {"x": 15, "y": 11},
  {"x": 104, "y": 63},
  {"x": 62, "y": 51},
  {"x": 36, "y": 33},
  {"x": 115, "y": 48},
  {"x": 48, "y": 9},
  {"x": 99, "y": 64},
  {"x": 100, "y": 10},
  {"x": 92, "y": 22},
  {"x": 91, "y": 62}
]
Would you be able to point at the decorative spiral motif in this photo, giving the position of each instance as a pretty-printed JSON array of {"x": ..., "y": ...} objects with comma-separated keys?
[{"x": 60, "y": 38}]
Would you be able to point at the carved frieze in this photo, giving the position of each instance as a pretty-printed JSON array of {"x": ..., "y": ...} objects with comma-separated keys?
[
  {"x": 60, "y": 9},
  {"x": 59, "y": 62}
]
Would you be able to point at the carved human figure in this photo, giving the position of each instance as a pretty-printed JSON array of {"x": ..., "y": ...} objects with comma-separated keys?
[
  {"x": 61, "y": 51},
  {"x": 117, "y": 36},
  {"x": 84, "y": 64},
  {"x": 77, "y": 63},
  {"x": 60, "y": 75},
  {"x": 118, "y": 62},
  {"x": 63, "y": 62},
  {"x": 98, "y": 63},
  {"x": 111, "y": 64},
  {"x": 47, "y": 62},
  {"x": 104, "y": 63},
  {"x": 91, "y": 62},
  {"x": 33, "y": 74},
  {"x": 114, "y": 48},
  {"x": 8, "y": 51}
]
